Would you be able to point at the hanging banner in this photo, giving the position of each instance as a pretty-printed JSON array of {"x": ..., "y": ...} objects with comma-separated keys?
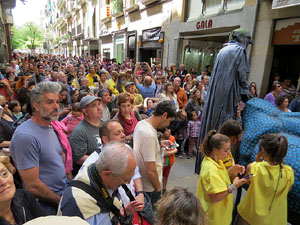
[
  {"x": 151, "y": 34},
  {"x": 277, "y": 4},
  {"x": 287, "y": 32}
]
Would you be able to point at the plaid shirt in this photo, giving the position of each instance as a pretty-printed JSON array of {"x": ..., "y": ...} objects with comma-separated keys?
[{"x": 194, "y": 128}]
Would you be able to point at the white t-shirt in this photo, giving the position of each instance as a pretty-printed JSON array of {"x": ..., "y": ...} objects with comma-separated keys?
[
  {"x": 105, "y": 113},
  {"x": 146, "y": 149}
]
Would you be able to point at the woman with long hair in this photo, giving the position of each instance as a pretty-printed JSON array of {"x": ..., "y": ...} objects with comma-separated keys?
[
  {"x": 169, "y": 94},
  {"x": 194, "y": 103}
]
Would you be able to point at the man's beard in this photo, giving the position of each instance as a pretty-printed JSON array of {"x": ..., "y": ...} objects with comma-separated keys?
[
  {"x": 123, "y": 82},
  {"x": 48, "y": 117}
]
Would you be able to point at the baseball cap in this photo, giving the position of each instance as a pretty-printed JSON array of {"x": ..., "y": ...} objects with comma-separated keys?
[
  {"x": 86, "y": 100},
  {"x": 129, "y": 83}
]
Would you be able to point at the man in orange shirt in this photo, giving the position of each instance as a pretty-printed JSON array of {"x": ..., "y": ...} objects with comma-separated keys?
[{"x": 181, "y": 95}]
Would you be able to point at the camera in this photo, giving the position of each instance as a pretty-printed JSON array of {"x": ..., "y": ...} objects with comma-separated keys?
[
  {"x": 142, "y": 63},
  {"x": 95, "y": 79},
  {"x": 125, "y": 220}
]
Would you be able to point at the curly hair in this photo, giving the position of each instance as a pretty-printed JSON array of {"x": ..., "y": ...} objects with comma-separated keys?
[{"x": 6, "y": 162}]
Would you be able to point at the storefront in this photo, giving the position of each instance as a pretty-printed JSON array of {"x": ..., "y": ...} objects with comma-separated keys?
[
  {"x": 286, "y": 41},
  {"x": 119, "y": 47},
  {"x": 151, "y": 46},
  {"x": 197, "y": 41},
  {"x": 106, "y": 46},
  {"x": 131, "y": 44}
]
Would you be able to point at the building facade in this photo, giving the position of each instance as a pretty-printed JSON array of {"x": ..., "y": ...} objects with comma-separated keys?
[{"x": 6, "y": 23}]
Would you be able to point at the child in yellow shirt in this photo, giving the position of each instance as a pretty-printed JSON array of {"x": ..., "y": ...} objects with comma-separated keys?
[
  {"x": 265, "y": 202},
  {"x": 215, "y": 187}
]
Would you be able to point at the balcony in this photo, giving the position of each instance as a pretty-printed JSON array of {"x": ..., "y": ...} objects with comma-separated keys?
[
  {"x": 148, "y": 2},
  {"x": 131, "y": 6},
  {"x": 117, "y": 8},
  {"x": 105, "y": 15}
]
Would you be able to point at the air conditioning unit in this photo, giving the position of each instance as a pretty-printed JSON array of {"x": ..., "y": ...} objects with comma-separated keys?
[{"x": 148, "y": 2}]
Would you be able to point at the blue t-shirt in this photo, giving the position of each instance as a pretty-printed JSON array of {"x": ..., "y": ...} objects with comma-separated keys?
[
  {"x": 36, "y": 146},
  {"x": 146, "y": 92}
]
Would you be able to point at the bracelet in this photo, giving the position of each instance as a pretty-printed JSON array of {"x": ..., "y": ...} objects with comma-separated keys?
[
  {"x": 140, "y": 192},
  {"x": 229, "y": 190},
  {"x": 233, "y": 187}
]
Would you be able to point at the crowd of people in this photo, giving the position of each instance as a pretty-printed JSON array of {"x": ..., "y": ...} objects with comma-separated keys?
[{"x": 76, "y": 129}]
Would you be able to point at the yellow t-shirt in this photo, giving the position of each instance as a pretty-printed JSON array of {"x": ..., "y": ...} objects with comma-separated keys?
[
  {"x": 214, "y": 179},
  {"x": 91, "y": 79},
  {"x": 255, "y": 206},
  {"x": 112, "y": 85},
  {"x": 228, "y": 161}
]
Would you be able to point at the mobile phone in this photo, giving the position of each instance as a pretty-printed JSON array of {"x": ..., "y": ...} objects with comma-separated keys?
[
  {"x": 172, "y": 146},
  {"x": 249, "y": 176},
  {"x": 95, "y": 79},
  {"x": 142, "y": 63}
]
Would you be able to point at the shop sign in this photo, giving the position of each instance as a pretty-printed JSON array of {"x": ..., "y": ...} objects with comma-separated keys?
[
  {"x": 151, "y": 34},
  {"x": 287, "y": 35},
  {"x": 204, "y": 24},
  {"x": 277, "y": 4}
]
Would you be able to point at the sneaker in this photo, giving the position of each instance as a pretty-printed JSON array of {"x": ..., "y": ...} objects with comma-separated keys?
[
  {"x": 184, "y": 153},
  {"x": 189, "y": 156},
  {"x": 180, "y": 156}
]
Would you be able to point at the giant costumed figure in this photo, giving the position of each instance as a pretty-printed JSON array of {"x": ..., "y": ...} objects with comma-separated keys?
[{"x": 228, "y": 85}]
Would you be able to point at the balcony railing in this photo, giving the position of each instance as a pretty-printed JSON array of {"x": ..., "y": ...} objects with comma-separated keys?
[
  {"x": 117, "y": 8},
  {"x": 105, "y": 14}
]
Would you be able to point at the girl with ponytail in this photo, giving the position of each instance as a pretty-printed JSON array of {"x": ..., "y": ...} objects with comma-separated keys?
[
  {"x": 266, "y": 199},
  {"x": 215, "y": 187}
]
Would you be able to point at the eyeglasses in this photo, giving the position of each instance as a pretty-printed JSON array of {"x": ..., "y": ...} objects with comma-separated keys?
[
  {"x": 4, "y": 104},
  {"x": 5, "y": 174}
]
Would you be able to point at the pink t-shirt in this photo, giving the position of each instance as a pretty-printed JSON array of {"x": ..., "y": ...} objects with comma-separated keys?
[{"x": 71, "y": 122}]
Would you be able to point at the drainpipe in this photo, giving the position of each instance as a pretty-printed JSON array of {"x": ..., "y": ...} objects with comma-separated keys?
[{"x": 253, "y": 28}]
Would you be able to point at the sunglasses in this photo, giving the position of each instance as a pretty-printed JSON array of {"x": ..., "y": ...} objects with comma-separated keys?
[{"x": 4, "y": 104}]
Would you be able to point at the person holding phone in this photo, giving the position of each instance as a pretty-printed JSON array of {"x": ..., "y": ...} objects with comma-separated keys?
[
  {"x": 147, "y": 90},
  {"x": 265, "y": 201},
  {"x": 215, "y": 186}
]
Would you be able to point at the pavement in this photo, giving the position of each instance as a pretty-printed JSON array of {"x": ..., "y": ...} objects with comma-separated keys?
[{"x": 182, "y": 174}]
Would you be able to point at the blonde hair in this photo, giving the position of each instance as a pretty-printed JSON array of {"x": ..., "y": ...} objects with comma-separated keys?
[{"x": 6, "y": 162}]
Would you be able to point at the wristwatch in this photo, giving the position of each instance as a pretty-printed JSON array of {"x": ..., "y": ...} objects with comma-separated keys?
[{"x": 140, "y": 192}]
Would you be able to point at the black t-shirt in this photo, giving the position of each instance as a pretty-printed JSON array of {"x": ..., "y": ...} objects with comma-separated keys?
[{"x": 6, "y": 131}]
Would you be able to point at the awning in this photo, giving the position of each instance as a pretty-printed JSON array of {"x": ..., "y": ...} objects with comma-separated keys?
[{"x": 287, "y": 32}]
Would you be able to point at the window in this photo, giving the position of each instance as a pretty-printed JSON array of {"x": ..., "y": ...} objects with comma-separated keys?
[
  {"x": 193, "y": 9},
  {"x": 234, "y": 4},
  {"x": 213, "y": 6}
]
